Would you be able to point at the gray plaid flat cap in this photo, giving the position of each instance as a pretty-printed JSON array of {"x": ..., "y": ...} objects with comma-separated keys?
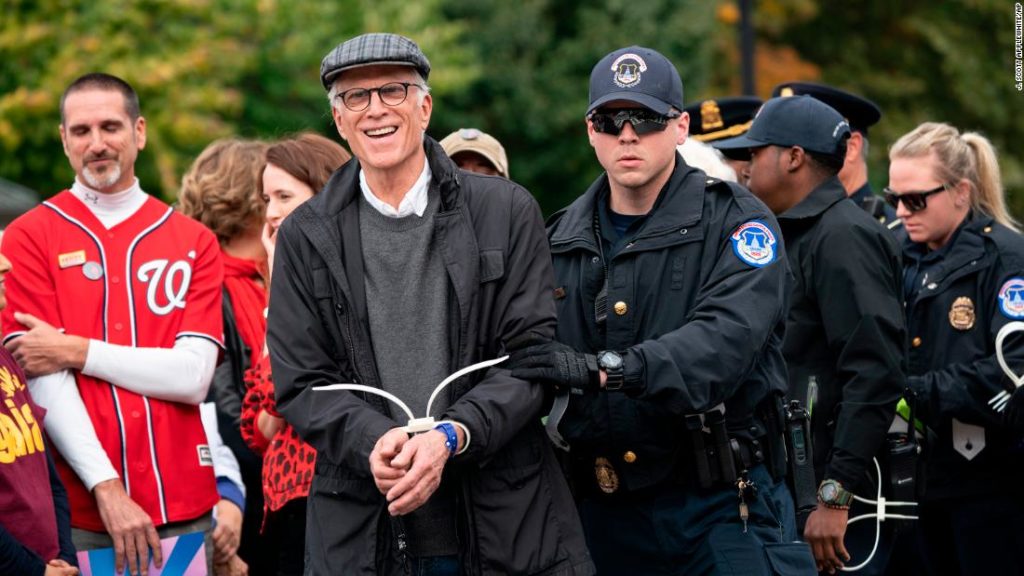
[{"x": 370, "y": 49}]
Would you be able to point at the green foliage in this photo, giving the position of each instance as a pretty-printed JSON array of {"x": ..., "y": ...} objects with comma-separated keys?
[
  {"x": 204, "y": 69},
  {"x": 920, "y": 61},
  {"x": 535, "y": 60}
]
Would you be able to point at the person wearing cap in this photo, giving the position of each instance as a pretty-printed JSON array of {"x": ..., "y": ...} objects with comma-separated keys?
[
  {"x": 715, "y": 119},
  {"x": 861, "y": 114},
  {"x": 476, "y": 151},
  {"x": 401, "y": 272},
  {"x": 639, "y": 376},
  {"x": 845, "y": 333}
]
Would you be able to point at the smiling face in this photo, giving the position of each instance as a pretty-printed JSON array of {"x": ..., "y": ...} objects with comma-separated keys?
[
  {"x": 638, "y": 164},
  {"x": 100, "y": 139},
  {"x": 282, "y": 193},
  {"x": 384, "y": 138}
]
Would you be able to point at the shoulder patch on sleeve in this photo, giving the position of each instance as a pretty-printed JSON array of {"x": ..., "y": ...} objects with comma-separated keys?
[
  {"x": 754, "y": 243},
  {"x": 1011, "y": 298}
]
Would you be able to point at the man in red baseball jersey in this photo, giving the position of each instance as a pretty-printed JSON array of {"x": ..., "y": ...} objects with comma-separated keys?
[{"x": 114, "y": 313}]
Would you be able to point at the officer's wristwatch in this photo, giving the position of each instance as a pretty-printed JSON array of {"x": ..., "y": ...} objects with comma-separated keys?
[
  {"x": 831, "y": 494},
  {"x": 611, "y": 362}
]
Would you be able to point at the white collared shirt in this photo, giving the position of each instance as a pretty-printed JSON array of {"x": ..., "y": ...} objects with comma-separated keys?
[
  {"x": 110, "y": 209},
  {"x": 414, "y": 202}
]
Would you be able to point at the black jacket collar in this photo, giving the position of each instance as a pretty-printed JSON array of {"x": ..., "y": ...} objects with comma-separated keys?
[
  {"x": 820, "y": 199},
  {"x": 680, "y": 203}
]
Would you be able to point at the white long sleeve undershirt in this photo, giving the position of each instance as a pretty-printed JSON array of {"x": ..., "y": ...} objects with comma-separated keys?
[{"x": 179, "y": 374}]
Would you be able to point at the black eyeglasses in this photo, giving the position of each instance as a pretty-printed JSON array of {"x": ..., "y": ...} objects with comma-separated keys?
[
  {"x": 392, "y": 94},
  {"x": 643, "y": 120},
  {"x": 914, "y": 201}
]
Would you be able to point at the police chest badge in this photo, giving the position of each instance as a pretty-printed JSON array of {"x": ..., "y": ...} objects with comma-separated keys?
[
  {"x": 961, "y": 313},
  {"x": 754, "y": 243},
  {"x": 607, "y": 479},
  {"x": 628, "y": 69},
  {"x": 1011, "y": 298}
]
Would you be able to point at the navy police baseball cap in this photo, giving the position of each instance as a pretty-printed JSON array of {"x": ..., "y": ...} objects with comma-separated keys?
[
  {"x": 796, "y": 121},
  {"x": 636, "y": 74}
]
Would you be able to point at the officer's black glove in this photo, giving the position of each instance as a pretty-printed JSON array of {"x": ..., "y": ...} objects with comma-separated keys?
[
  {"x": 1013, "y": 415},
  {"x": 558, "y": 365}
]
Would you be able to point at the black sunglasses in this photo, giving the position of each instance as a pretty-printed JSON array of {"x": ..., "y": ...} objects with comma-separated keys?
[
  {"x": 914, "y": 201},
  {"x": 643, "y": 120}
]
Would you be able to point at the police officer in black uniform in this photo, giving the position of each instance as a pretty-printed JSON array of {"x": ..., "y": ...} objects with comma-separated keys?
[
  {"x": 670, "y": 289},
  {"x": 716, "y": 119},
  {"x": 861, "y": 113},
  {"x": 844, "y": 344},
  {"x": 964, "y": 280}
]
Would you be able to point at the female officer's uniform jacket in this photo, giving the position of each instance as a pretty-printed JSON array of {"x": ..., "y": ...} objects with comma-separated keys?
[
  {"x": 515, "y": 512},
  {"x": 696, "y": 306},
  {"x": 957, "y": 300}
]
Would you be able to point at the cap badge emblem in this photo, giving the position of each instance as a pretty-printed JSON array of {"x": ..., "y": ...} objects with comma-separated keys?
[
  {"x": 710, "y": 116},
  {"x": 961, "y": 313},
  {"x": 628, "y": 69}
]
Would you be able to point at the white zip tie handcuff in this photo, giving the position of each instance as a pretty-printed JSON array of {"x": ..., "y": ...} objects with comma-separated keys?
[
  {"x": 427, "y": 423},
  {"x": 881, "y": 516}
]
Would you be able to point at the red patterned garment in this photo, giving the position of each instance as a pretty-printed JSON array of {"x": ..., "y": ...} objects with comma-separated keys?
[{"x": 287, "y": 460}]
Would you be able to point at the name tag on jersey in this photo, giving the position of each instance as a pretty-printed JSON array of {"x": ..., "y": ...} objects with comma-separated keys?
[{"x": 76, "y": 258}]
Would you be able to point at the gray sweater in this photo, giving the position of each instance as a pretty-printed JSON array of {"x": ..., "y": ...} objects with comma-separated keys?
[{"x": 407, "y": 305}]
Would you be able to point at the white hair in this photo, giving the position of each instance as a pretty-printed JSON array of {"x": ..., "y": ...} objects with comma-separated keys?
[
  {"x": 332, "y": 94},
  {"x": 703, "y": 156}
]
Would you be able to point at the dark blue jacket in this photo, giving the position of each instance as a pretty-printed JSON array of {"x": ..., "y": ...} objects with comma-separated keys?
[
  {"x": 698, "y": 324},
  {"x": 954, "y": 311}
]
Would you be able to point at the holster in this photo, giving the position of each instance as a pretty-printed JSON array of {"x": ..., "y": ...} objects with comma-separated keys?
[
  {"x": 772, "y": 413},
  {"x": 714, "y": 457}
]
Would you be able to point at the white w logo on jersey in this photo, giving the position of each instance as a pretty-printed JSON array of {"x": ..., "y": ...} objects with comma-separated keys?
[{"x": 152, "y": 272}]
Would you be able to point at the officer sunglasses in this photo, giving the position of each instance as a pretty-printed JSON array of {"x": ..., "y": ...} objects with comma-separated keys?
[
  {"x": 392, "y": 94},
  {"x": 914, "y": 201},
  {"x": 643, "y": 120}
]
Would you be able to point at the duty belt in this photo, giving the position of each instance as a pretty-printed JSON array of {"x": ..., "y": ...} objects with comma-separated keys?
[{"x": 599, "y": 476}]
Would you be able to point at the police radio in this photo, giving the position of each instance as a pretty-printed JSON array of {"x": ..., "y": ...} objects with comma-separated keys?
[
  {"x": 801, "y": 458},
  {"x": 902, "y": 456}
]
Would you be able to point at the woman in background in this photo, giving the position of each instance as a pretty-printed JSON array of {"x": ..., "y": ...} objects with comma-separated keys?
[
  {"x": 220, "y": 190},
  {"x": 296, "y": 169},
  {"x": 963, "y": 281}
]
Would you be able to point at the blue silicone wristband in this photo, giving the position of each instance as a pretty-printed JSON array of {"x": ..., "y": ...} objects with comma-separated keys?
[{"x": 452, "y": 443}]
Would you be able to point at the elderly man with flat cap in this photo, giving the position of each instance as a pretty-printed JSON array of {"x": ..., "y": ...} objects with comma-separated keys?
[
  {"x": 401, "y": 272},
  {"x": 671, "y": 292},
  {"x": 845, "y": 332}
]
